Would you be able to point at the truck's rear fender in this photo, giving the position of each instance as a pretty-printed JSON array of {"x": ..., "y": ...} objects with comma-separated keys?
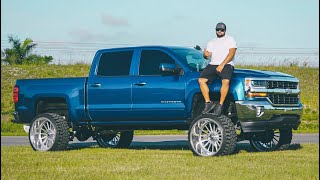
[
  {"x": 194, "y": 96},
  {"x": 64, "y": 104},
  {"x": 47, "y": 95}
]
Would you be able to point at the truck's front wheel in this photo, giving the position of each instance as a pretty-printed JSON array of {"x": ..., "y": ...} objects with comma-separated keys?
[
  {"x": 48, "y": 132},
  {"x": 118, "y": 140},
  {"x": 210, "y": 135},
  {"x": 271, "y": 140}
]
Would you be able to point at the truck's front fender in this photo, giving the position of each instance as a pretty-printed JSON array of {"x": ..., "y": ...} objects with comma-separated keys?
[{"x": 236, "y": 90}]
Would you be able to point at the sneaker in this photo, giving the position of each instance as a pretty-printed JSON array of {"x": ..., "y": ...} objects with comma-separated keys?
[
  {"x": 218, "y": 110},
  {"x": 208, "y": 107}
]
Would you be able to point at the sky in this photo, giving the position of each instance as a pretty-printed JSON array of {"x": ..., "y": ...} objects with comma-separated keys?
[{"x": 252, "y": 23}]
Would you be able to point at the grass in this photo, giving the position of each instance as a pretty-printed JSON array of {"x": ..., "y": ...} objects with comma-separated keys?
[
  {"x": 21, "y": 162},
  {"x": 309, "y": 84}
]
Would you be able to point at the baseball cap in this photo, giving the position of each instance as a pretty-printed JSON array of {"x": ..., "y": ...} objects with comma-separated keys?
[{"x": 221, "y": 25}]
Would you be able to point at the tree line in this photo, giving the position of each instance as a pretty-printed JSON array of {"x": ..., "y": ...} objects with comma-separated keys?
[{"x": 21, "y": 53}]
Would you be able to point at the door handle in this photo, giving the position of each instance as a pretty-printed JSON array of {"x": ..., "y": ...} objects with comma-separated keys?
[
  {"x": 140, "y": 84},
  {"x": 95, "y": 85}
]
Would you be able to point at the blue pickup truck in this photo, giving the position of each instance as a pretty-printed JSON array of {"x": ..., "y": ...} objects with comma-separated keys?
[{"x": 156, "y": 88}]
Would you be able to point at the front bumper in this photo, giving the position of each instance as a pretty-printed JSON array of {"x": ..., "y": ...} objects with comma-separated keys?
[{"x": 257, "y": 116}]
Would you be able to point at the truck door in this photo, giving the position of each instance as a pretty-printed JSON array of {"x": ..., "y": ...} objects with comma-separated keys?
[
  {"x": 109, "y": 88},
  {"x": 155, "y": 94}
]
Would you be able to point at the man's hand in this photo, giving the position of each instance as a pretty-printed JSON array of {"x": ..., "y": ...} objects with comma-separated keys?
[
  {"x": 206, "y": 54},
  {"x": 219, "y": 68}
]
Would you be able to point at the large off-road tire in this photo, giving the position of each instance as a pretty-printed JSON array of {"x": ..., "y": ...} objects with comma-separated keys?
[
  {"x": 118, "y": 140},
  {"x": 271, "y": 140},
  {"x": 210, "y": 135},
  {"x": 49, "y": 132}
]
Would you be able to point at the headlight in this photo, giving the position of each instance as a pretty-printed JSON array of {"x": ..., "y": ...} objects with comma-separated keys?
[
  {"x": 259, "y": 83},
  {"x": 247, "y": 85},
  {"x": 254, "y": 84}
]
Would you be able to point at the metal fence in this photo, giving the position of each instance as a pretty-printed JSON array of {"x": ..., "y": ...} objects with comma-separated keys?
[{"x": 75, "y": 52}]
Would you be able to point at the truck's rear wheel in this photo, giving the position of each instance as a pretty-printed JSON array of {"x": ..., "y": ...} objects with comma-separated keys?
[
  {"x": 48, "y": 132},
  {"x": 118, "y": 140},
  {"x": 210, "y": 135},
  {"x": 271, "y": 140}
]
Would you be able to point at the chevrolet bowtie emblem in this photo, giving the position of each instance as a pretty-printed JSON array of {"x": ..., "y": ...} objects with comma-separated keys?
[{"x": 288, "y": 91}]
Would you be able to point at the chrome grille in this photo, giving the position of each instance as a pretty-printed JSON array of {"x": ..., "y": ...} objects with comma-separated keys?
[
  {"x": 283, "y": 98},
  {"x": 282, "y": 85}
]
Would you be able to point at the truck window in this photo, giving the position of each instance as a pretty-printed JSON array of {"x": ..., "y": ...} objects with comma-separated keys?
[
  {"x": 150, "y": 61},
  {"x": 115, "y": 63}
]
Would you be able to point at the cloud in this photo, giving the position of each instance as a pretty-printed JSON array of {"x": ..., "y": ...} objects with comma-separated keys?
[
  {"x": 84, "y": 35},
  {"x": 108, "y": 19},
  {"x": 87, "y": 36}
]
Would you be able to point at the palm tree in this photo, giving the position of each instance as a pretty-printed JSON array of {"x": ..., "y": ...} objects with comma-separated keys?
[{"x": 19, "y": 52}]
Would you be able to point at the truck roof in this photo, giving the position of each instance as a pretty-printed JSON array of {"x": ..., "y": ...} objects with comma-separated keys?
[{"x": 145, "y": 46}]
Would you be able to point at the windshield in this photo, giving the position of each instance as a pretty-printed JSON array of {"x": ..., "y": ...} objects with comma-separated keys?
[{"x": 194, "y": 58}]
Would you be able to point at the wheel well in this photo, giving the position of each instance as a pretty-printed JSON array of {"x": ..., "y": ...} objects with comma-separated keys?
[
  {"x": 229, "y": 107},
  {"x": 53, "y": 105}
]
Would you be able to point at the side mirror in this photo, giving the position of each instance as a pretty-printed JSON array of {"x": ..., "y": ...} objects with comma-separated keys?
[
  {"x": 171, "y": 68},
  {"x": 197, "y": 48}
]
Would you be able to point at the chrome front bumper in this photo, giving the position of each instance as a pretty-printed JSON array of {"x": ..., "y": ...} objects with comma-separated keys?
[
  {"x": 262, "y": 110},
  {"x": 255, "y": 116}
]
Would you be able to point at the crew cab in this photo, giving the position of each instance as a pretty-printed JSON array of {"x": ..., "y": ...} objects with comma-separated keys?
[{"x": 155, "y": 88}]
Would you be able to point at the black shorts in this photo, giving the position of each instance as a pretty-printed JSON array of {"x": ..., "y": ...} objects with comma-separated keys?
[{"x": 211, "y": 73}]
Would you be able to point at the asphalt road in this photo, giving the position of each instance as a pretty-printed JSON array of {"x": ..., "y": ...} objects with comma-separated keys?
[{"x": 152, "y": 141}]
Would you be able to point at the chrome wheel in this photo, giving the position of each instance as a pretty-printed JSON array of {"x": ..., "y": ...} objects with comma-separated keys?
[
  {"x": 206, "y": 137},
  {"x": 110, "y": 140},
  {"x": 267, "y": 141},
  {"x": 42, "y": 134},
  {"x": 210, "y": 135}
]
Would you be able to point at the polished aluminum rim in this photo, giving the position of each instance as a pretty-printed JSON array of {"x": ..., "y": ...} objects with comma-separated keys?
[
  {"x": 42, "y": 134},
  {"x": 106, "y": 141},
  {"x": 206, "y": 137},
  {"x": 270, "y": 145}
]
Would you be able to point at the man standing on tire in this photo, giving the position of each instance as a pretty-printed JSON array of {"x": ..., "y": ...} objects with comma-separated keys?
[{"x": 221, "y": 50}]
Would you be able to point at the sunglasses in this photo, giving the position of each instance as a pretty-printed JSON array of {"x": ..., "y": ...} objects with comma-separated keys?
[{"x": 222, "y": 30}]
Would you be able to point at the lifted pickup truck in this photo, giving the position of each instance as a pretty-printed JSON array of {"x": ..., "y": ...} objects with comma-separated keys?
[{"x": 156, "y": 87}]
